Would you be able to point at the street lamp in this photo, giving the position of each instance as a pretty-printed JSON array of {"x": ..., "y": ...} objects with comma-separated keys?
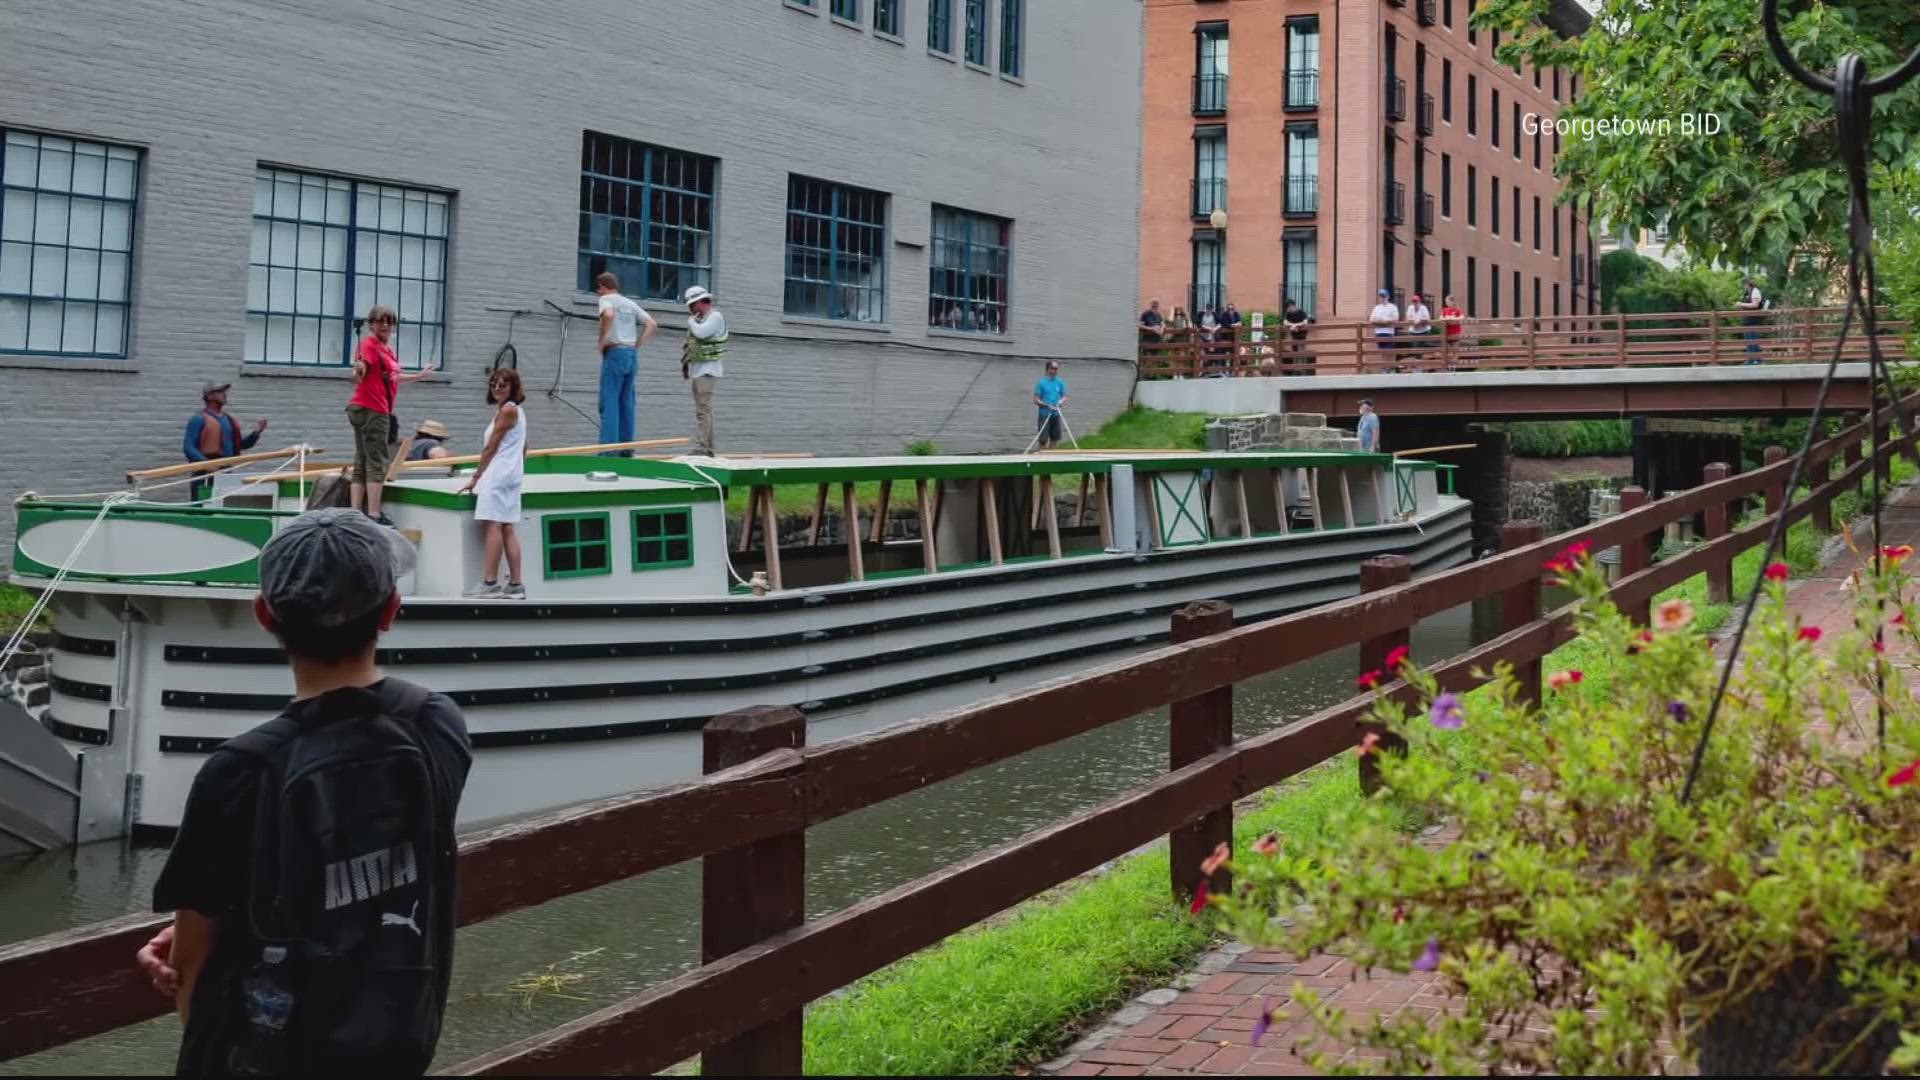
[{"x": 1218, "y": 219}]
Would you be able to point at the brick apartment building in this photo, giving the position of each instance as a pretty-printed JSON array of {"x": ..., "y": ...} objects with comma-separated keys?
[{"x": 1353, "y": 145}]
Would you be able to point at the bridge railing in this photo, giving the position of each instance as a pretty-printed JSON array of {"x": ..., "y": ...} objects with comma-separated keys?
[
  {"x": 763, "y": 962},
  {"x": 1692, "y": 338}
]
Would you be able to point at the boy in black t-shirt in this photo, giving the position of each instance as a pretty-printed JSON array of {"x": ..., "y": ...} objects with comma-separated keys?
[{"x": 273, "y": 933}]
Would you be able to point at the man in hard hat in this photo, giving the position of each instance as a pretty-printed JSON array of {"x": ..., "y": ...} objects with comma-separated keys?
[{"x": 700, "y": 360}]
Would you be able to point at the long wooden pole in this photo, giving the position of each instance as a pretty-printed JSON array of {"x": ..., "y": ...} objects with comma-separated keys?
[
  {"x": 850, "y": 508},
  {"x": 929, "y": 554},
  {"x": 1103, "y": 495},
  {"x": 183, "y": 469},
  {"x": 990, "y": 509},
  {"x": 1240, "y": 503},
  {"x": 1279, "y": 477},
  {"x": 1051, "y": 514},
  {"x": 819, "y": 511},
  {"x": 770, "y": 538},
  {"x": 880, "y": 517}
]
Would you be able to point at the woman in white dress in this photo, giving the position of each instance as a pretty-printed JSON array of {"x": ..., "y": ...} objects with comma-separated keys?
[{"x": 497, "y": 480}]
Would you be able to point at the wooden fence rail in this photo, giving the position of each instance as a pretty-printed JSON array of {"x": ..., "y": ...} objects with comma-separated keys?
[
  {"x": 748, "y": 817},
  {"x": 1688, "y": 338}
]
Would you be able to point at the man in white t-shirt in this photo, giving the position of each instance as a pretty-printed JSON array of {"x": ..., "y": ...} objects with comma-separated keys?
[
  {"x": 1419, "y": 323},
  {"x": 701, "y": 360},
  {"x": 624, "y": 327},
  {"x": 1385, "y": 317},
  {"x": 1752, "y": 302}
]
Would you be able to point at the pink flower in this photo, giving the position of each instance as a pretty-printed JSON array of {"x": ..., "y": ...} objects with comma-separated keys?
[
  {"x": 1560, "y": 680},
  {"x": 1397, "y": 656},
  {"x": 1905, "y": 775},
  {"x": 1900, "y": 619},
  {"x": 1212, "y": 862},
  {"x": 1879, "y": 646},
  {"x": 1368, "y": 744},
  {"x": 1809, "y": 633},
  {"x": 1672, "y": 615},
  {"x": 1429, "y": 957},
  {"x": 1578, "y": 550},
  {"x": 1776, "y": 571},
  {"x": 1268, "y": 845},
  {"x": 1368, "y": 681},
  {"x": 1896, "y": 554},
  {"x": 1399, "y": 914},
  {"x": 1199, "y": 898}
]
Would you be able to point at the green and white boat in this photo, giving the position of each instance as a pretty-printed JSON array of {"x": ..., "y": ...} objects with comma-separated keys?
[{"x": 643, "y": 619}]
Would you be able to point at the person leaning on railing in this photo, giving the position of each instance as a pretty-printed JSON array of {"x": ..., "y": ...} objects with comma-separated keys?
[{"x": 1453, "y": 321}]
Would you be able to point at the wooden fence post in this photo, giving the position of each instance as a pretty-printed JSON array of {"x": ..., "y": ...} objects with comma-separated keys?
[
  {"x": 752, "y": 892},
  {"x": 1819, "y": 472},
  {"x": 1777, "y": 487},
  {"x": 1200, "y": 725},
  {"x": 1719, "y": 571},
  {"x": 1520, "y": 605},
  {"x": 1850, "y": 454},
  {"x": 1381, "y": 572},
  {"x": 1633, "y": 553}
]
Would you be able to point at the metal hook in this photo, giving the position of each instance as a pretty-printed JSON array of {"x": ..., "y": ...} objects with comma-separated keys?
[{"x": 1894, "y": 80}]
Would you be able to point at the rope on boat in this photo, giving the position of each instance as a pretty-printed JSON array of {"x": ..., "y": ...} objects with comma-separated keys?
[
  {"x": 39, "y": 608},
  {"x": 726, "y": 549}
]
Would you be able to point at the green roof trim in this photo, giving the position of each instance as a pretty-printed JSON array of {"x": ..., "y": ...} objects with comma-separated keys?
[
  {"x": 558, "y": 500},
  {"x": 837, "y": 471}
]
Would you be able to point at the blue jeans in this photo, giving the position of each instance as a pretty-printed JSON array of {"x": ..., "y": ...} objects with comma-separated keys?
[
  {"x": 616, "y": 394},
  {"x": 1753, "y": 339}
]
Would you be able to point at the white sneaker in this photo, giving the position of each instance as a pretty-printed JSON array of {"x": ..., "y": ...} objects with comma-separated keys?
[
  {"x": 514, "y": 591},
  {"x": 484, "y": 591}
]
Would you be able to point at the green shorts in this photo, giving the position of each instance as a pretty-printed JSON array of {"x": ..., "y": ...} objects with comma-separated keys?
[{"x": 372, "y": 451}]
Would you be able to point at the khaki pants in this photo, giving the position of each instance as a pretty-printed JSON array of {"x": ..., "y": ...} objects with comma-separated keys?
[{"x": 703, "y": 412}]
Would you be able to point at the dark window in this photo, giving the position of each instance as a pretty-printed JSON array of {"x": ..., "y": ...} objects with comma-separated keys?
[
  {"x": 1473, "y": 195},
  {"x": 940, "y": 26},
  {"x": 1419, "y": 271},
  {"x": 1493, "y": 289},
  {"x": 845, "y": 9},
  {"x": 1493, "y": 202},
  {"x": 1517, "y": 311},
  {"x": 1473, "y": 36},
  {"x": 1473, "y": 285},
  {"x": 1493, "y": 116},
  {"x": 1536, "y": 76},
  {"x": 977, "y": 32},
  {"x": 1209, "y": 170},
  {"x": 1301, "y": 265},
  {"x": 1388, "y": 255},
  {"x": 1555, "y": 214},
  {"x": 1556, "y": 298},
  {"x": 1516, "y": 214},
  {"x": 886, "y": 16},
  {"x": 1012, "y": 37},
  {"x": 1446, "y": 185},
  {"x": 1446, "y": 274},
  {"x": 968, "y": 271},
  {"x": 1556, "y": 144},
  {"x": 836, "y": 251},
  {"x": 662, "y": 539},
  {"x": 1209, "y": 270},
  {"x": 1446, "y": 90},
  {"x": 576, "y": 545},
  {"x": 1536, "y": 297},
  {"x": 1516, "y": 131},
  {"x": 646, "y": 214},
  {"x": 1556, "y": 97},
  {"x": 1446, "y": 13},
  {"x": 1536, "y": 223},
  {"x": 1536, "y": 148},
  {"x": 1473, "y": 103},
  {"x": 66, "y": 260}
]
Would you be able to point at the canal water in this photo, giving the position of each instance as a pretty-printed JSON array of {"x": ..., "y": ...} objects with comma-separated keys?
[{"x": 611, "y": 942}]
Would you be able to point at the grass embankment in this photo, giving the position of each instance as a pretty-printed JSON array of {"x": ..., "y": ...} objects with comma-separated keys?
[
  {"x": 1015, "y": 992},
  {"x": 15, "y": 602},
  {"x": 1568, "y": 438}
]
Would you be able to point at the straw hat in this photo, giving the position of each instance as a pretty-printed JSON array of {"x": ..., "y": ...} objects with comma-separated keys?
[{"x": 432, "y": 427}]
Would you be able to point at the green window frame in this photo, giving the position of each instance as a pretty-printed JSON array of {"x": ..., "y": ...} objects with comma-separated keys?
[
  {"x": 662, "y": 538},
  {"x": 577, "y": 545}
]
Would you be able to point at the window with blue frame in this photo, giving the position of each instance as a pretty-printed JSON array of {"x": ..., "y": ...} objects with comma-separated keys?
[
  {"x": 968, "y": 271},
  {"x": 977, "y": 32},
  {"x": 646, "y": 214},
  {"x": 836, "y": 251},
  {"x": 940, "y": 26},
  {"x": 1012, "y": 36},
  {"x": 886, "y": 17},
  {"x": 847, "y": 9},
  {"x": 325, "y": 249},
  {"x": 66, "y": 245}
]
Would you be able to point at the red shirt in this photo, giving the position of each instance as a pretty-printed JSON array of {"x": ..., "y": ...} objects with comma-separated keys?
[
  {"x": 376, "y": 390},
  {"x": 1453, "y": 328}
]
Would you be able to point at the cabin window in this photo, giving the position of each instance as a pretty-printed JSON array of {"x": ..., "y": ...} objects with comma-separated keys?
[
  {"x": 577, "y": 545},
  {"x": 662, "y": 539}
]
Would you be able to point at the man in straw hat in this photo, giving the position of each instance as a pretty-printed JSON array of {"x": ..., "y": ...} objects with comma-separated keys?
[
  {"x": 428, "y": 441},
  {"x": 700, "y": 360}
]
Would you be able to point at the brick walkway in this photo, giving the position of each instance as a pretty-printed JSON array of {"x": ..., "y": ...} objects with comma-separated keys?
[{"x": 1203, "y": 1023}]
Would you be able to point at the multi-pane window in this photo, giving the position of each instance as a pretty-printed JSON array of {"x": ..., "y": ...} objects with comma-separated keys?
[
  {"x": 886, "y": 17},
  {"x": 1303, "y": 62},
  {"x": 1209, "y": 170},
  {"x": 1209, "y": 270},
  {"x": 977, "y": 32},
  {"x": 66, "y": 245},
  {"x": 836, "y": 251},
  {"x": 1210, "y": 65},
  {"x": 1446, "y": 185},
  {"x": 1301, "y": 265},
  {"x": 646, "y": 214},
  {"x": 940, "y": 26},
  {"x": 846, "y": 9},
  {"x": 325, "y": 250},
  {"x": 577, "y": 545},
  {"x": 968, "y": 271},
  {"x": 662, "y": 539},
  {"x": 1303, "y": 168},
  {"x": 1012, "y": 36}
]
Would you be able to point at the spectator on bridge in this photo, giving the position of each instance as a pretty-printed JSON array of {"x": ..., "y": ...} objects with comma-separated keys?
[
  {"x": 1419, "y": 324},
  {"x": 1752, "y": 301},
  {"x": 1230, "y": 318},
  {"x": 1369, "y": 428},
  {"x": 1296, "y": 319},
  {"x": 1153, "y": 325},
  {"x": 1179, "y": 326},
  {"x": 211, "y": 433},
  {"x": 1207, "y": 324},
  {"x": 1385, "y": 319},
  {"x": 1454, "y": 322}
]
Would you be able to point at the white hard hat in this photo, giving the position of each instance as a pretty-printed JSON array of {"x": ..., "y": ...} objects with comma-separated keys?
[{"x": 695, "y": 294}]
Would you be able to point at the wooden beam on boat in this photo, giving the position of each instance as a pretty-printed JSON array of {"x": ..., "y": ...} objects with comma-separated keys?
[
  {"x": 1052, "y": 516},
  {"x": 770, "y": 455},
  {"x": 1153, "y": 510},
  {"x": 819, "y": 511},
  {"x": 929, "y": 556},
  {"x": 1034, "y": 488},
  {"x": 1436, "y": 449},
  {"x": 1143, "y": 450},
  {"x": 1279, "y": 477},
  {"x": 399, "y": 459},
  {"x": 1080, "y": 504},
  {"x": 850, "y": 507},
  {"x": 880, "y": 517},
  {"x": 770, "y": 536},
  {"x": 1240, "y": 499},
  {"x": 1346, "y": 498},
  {"x": 746, "y": 521},
  {"x": 551, "y": 451},
  {"x": 990, "y": 510},
  {"x": 164, "y": 471},
  {"x": 1103, "y": 494},
  {"x": 1313, "y": 498}
]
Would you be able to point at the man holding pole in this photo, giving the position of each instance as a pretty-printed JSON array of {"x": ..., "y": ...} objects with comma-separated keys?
[
  {"x": 1050, "y": 394},
  {"x": 211, "y": 433}
]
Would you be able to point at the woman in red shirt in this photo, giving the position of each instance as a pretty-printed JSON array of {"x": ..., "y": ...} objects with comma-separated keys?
[
  {"x": 377, "y": 378},
  {"x": 1455, "y": 322}
]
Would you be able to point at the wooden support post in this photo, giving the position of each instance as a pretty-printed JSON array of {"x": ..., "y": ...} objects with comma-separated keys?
[
  {"x": 747, "y": 520},
  {"x": 1050, "y": 513},
  {"x": 1850, "y": 455},
  {"x": 990, "y": 510},
  {"x": 1279, "y": 476},
  {"x": 1381, "y": 572},
  {"x": 770, "y": 536},
  {"x": 1153, "y": 511},
  {"x": 1380, "y": 480},
  {"x": 1240, "y": 503},
  {"x": 1713, "y": 337},
  {"x": 1103, "y": 495},
  {"x": 753, "y": 892},
  {"x": 1313, "y": 498},
  {"x": 1819, "y": 472},
  {"x": 929, "y": 556},
  {"x": 1777, "y": 487},
  {"x": 1719, "y": 571},
  {"x": 1346, "y": 499},
  {"x": 1033, "y": 488},
  {"x": 1633, "y": 553},
  {"x": 1080, "y": 504},
  {"x": 1200, "y": 725},
  {"x": 850, "y": 528},
  {"x": 819, "y": 512},
  {"x": 1520, "y": 605},
  {"x": 880, "y": 515}
]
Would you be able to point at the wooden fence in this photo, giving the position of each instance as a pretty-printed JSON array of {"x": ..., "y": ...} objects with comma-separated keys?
[
  {"x": 747, "y": 818},
  {"x": 1801, "y": 336}
]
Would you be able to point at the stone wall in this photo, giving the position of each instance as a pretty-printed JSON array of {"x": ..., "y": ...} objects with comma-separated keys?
[
  {"x": 1278, "y": 431},
  {"x": 24, "y": 679},
  {"x": 1558, "y": 505}
]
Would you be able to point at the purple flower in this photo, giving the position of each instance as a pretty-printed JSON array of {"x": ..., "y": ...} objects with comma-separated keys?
[
  {"x": 1446, "y": 713},
  {"x": 1679, "y": 711},
  {"x": 1429, "y": 957},
  {"x": 1264, "y": 1021}
]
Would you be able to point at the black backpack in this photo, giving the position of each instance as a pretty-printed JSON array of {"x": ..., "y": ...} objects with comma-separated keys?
[{"x": 350, "y": 862}]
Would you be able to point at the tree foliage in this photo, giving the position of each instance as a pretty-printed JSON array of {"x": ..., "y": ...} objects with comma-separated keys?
[
  {"x": 1768, "y": 190},
  {"x": 1635, "y": 284}
]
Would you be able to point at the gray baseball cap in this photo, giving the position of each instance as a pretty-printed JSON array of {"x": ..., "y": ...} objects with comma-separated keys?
[{"x": 330, "y": 567}]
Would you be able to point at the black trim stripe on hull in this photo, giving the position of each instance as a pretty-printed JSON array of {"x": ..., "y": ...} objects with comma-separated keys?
[
  {"x": 494, "y": 654},
  {"x": 81, "y": 646},
  {"x": 76, "y": 733},
  {"x": 194, "y": 744},
  {"x": 197, "y": 699},
  {"x": 85, "y": 691}
]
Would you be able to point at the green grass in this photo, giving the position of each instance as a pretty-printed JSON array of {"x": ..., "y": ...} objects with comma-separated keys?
[
  {"x": 1149, "y": 429},
  {"x": 15, "y": 602},
  {"x": 1568, "y": 438}
]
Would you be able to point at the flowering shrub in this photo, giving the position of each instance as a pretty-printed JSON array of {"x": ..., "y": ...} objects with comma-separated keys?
[{"x": 1585, "y": 896}]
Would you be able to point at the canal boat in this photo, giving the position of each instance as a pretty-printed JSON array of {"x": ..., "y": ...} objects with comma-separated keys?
[{"x": 650, "y": 608}]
